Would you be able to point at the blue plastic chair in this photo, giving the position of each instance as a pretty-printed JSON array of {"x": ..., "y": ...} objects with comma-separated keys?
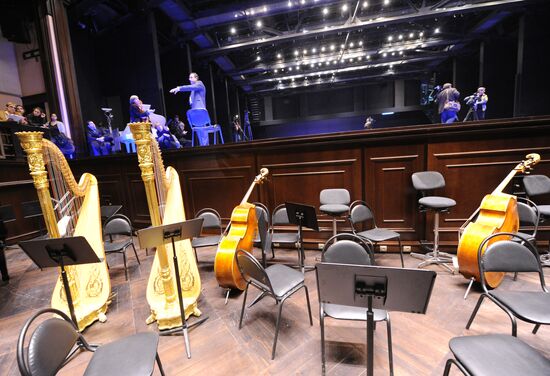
[{"x": 199, "y": 120}]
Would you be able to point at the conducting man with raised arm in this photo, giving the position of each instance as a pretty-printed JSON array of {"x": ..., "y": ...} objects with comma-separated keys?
[{"x": 197, "y": 98}]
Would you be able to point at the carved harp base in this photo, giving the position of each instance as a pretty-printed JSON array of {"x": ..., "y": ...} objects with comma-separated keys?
[
  {"x": 168, "y": 316},
  {"x": 89, "y": 318}
]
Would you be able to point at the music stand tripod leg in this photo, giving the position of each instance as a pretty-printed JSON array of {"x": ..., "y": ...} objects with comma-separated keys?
[
  {"x": 370, "y": 338},
  {"x": 67, "y": 290}
]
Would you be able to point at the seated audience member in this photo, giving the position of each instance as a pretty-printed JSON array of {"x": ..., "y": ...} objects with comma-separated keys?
[
  {"x": 59, "y": 137},
  {"x": 99, "y": 139},
  {"x": 10, "y": 110},
  {"x": 20, "y": 110},
  {"x": 177, "y": 128},
  {"x": 137, "y": 113},
  {"x": 37, "y": 118},
  {"x": 165, "y": 139}
]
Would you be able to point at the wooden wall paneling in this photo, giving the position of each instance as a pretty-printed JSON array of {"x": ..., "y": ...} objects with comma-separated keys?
[
  {"x": 475, "y": 168},
  {"x": 299, "y": 175},
  {"x": 217, "y": 181},
  {"x": 389, "y": 191}
]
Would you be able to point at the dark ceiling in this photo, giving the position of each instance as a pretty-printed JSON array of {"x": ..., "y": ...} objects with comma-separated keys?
[{"x": 267, "y": 45}]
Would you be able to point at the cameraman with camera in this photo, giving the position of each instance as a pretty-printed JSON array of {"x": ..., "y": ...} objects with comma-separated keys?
[
  {"x": 448, "y": 104},
  {"x": 478, "y": 103}
]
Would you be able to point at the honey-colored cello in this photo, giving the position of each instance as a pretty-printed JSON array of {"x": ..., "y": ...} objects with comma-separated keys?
[
  {"x": 240, "y": 236},
  {"x": 497, "y": 213}
]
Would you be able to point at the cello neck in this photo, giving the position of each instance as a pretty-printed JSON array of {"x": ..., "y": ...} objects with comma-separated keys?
[
  {"x": 248, "y": 193},
  {"x": 505, "y": 182}
]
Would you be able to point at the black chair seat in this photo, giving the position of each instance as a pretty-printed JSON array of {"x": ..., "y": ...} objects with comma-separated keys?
[
  {"x": 341, "y": 312},
  {"x": 527, "y": 305},
  {"x": 378, "y": 234},
  {"x": 334, "y": 209},
  {"x": 285, "y": 237},
  {"x": 118, "y": 358},
  {"x": 116, "y": 246},
  {"x": 283, "y": 279},
  {"x": 498, "y": 354},
  {"x": 437, "y": 202},
  {"x": 206, "y": 241}
]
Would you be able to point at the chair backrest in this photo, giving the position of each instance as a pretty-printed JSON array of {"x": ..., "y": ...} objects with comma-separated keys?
[
  {"x": 280, "y": 216},
  {"x": 198, "y": 118},
  {"x": 427, "y": 180},
  {"x": 536, "y": 185},
  {"x": 508, "y": 256},
  {"x": 263, "y": 210},
  {"x": 348, "y": 249},
  {"x": 334, "y": 196},
  {"x": 211, "y": 218},
  {"x": 263, "y": 227},
  {"x": 118, "y": 225},
  {"x": 252, "y": 271},
  {"x": 528, "y": 214},
  {"x": 49, "y": 345},
  {"x": 360, "y": 212}
]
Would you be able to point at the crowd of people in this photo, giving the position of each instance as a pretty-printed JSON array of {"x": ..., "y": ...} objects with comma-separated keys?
[{"x": 37, "y": 118}]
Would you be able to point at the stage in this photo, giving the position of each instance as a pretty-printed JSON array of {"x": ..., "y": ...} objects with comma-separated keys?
[{"x": 420, "y": 342}]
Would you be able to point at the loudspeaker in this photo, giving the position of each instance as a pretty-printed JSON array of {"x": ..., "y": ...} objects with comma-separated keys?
[{"x": 15, "y": 28}]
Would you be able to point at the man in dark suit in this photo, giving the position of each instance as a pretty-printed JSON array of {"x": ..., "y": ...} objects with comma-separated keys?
[
  {"x": 197, "y": 98},
  {"x": 99, "y": 139}
]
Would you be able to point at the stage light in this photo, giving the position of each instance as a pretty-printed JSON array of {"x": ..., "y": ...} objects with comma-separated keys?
[
  {"x": 368, "y": 57},
  {"x": 258, "y": 58},
  {"x": 390, "y": 38},
  {"x": 393, "y": 53},
  {"x": 289, "y": 4},
  {"x": 236, "y": 15},
  {"x": 313, "y": 50},
  {"x": 327, "y": 63},
  {"x": 297, "y": 67},
  {"x": 400, "y": 36},
  {"x": 387, "y": 113},
  {"x": 304, "y": 51},
  {"x": 332, "y": 47},
  {"x": 292, "y": 79},
  {"x": 351, "y": 45},
  {"x": 265, "y": 8},
  {"x": 365, "y": 4},
  {"x": 384, "y": 54},
  {"x": 325, "y": 11},
  {"x": 233, "y": 30},
  {"x": 319, "y": 64},
  {"x": 344, "y": 7},
  {"x": 290, "y": 69},
  {"x": 275, "y": 70},
  {"x": 295, "y": 52},
  {"x": 350, "y": 60},
  {"x": 323, "y": 49},
  {"x": 421, "y": 34},
  {"x": 302, "y": 2},
  {"x": 342, "y": 46},
  {"x": 437, "y": 31},
  {"x": 359, "y": 58},
  {"x": 411, "y": 35},
  {"x": 312, "y": 65},
  {"x": 400, "y": 52},
  {"x": 259, "y": 23},
  {"x": 279, "y": 56},
  {"x": 386, "y": 2},
  {"x": 360, "y": 42},
  {"x": 334, "y": 62}
]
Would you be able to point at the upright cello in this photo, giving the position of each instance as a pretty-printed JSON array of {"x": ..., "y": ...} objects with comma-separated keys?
[
  {"x": 497, "y": 213},
  {"x": 240, "y": 236}
]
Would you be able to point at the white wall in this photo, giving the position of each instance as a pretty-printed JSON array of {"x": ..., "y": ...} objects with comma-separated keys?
[{"x": 10, "y": 85}]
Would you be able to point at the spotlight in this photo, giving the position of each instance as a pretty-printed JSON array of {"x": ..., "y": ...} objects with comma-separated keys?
[
  {"x": 258, "y": 58},
  {"x": 344, "y": 7},
  {"x": 386, "y": 2},
  {"x": 302, "y": 2},
  {"x": 279, "y": 56},
  {"x": 421, "y": 34},
  {"x": 437, "y": 31},
  {"x": 296, "y": 52},
  {"x": 411, "y": 35},
  {"x": 351, "y": 45},
  {"x": 313, "y": 50},
  {"x": 304, "y": 51},
  {"x": 233, "y": 30},
  {"x": 312, "y": 65},
  {"x": 323, "y": 49},
  {"x": 384, "y": 54},
  {"x": 368, "y": 57},
  {"x": 259, "y": 23},
  {"x": 290, "y": 69},
  {"x": 325, "y": 11},
  {"x": 365, "y": 4},
  {"x": 332, "y": 47},
  {"x": 400, "y": 36},
  {"x": 360, "y": 42},
  {"x": 297, "y": 67},
  {"x": 275, "y": 70},
  {"x": 289, "y": 4},
  {"x": 390, "y": 38},
  {"x": 265, "y": 8}
]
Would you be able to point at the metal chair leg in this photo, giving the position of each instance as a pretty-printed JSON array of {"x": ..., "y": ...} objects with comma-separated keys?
[
  {"x": 135, "y": 253},
  {"x": 536, "y": 329},
  {"x": 448, "y": 367},
  {"x": 244, "y": 305},
  {"x": 390, "y": 347},
  {"x": 401, "y": 252},
  {"x": 474, "y": 313},
  {"x": 308, "y": 306},
  {"x": 159, "y": 365},
  {"x": 125, "y": 267},
  {"x": 278, "y": 325},
  {"x": 322, "y": 324}
]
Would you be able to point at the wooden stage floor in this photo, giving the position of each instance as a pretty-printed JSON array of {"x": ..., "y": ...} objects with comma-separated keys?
[{"x": 420, "y": 342}]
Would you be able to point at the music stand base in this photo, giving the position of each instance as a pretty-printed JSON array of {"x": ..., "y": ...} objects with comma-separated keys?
[{"x": 435, "y": 258}]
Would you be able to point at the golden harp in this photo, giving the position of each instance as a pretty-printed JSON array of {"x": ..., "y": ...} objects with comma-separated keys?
[
  {"x": 70, "y": 209},
  {"x": 165, "y": 202}
]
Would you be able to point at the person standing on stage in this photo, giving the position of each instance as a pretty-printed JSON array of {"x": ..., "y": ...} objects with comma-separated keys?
[
  {"x": 480, "y": 104},
  {"x": 197, "y": 98},
  {"x": 448, "y": 104}
]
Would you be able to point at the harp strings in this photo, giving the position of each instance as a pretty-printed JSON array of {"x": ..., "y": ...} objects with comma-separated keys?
[
  {"x": 159, "y": 177},
  {"x": 66, "y": 204}
]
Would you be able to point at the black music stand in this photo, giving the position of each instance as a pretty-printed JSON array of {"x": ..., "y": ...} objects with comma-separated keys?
[
  {"x": 365, "y": 286},
  {"x": 160, "y": 235},
  {"x": 302, "y": 216},
  {"x": 61, "y": 252},
  {"x": 107, "y": 211},
  {"x": 6, "y": 215}
]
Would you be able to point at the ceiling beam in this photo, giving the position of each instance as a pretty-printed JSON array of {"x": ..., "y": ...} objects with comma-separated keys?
[{"x": 421, "y": 14}]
